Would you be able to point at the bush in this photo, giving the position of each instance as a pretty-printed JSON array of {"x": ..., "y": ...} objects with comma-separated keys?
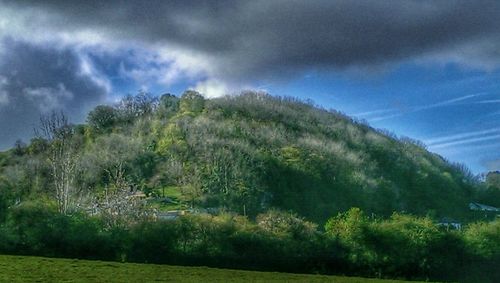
[
  {"x": 483, "y": 239},
  {"x": 37, "y": 228},
  {"x": 153, "y": 242}
]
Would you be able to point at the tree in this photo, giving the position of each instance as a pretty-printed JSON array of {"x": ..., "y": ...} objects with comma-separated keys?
[
  {"x": 62, "y": 157},
  {"x": 493, "y": 179},
  {"x": 192, "y": 102},
  {"x": 110, "y": 157},
  {"x": 19, "y": 147},
  {"x": 168, "y": 105},
  {"x": 285, "y": 224},
  {"x": 483, "y": 238},
  {"x": 348, "y": 226},
  {"x": 139, "y": 105},
  {"x": 405, "y": 245},
  {"x": 37, "y": 145},
  {"x": 102, "y": 117},
  {"x": 118, "y": 204}
]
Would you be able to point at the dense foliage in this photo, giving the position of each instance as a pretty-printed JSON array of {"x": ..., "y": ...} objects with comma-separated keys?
[
  {"x": 100, "y": 190},
  {"x": 246, "y": 154},
  {"x": 401, "y": 246}
]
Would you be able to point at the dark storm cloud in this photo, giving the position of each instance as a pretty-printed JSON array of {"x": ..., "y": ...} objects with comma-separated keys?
[
  {"x": 262, "y": 38},
  {"x": 36, "y": 80}
]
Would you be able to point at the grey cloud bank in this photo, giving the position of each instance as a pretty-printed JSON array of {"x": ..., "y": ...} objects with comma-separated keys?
[
  {"x": 262, "y": 38},
  {"x": 36, "y": 80}
]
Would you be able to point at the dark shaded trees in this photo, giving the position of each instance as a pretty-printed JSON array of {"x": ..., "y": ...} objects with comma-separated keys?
[{"x": 102, "y": 118}]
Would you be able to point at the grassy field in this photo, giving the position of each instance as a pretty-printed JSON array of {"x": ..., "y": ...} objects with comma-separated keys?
[
  {"x": 171, "y": 192},
  {"x": 38, "y": 269}
]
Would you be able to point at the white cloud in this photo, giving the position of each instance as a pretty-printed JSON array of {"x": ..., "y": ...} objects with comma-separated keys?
[
  {"x": 184, "y": 63},
  {"x": 149, "y": 67},
  {"x": 48, "y": 98},
  {"x": 211, "y": 88},
  {"x": 88, "y": 70}
]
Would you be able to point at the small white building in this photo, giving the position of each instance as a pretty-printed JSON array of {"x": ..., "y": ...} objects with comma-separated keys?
[{"x": 449, "y": 223}]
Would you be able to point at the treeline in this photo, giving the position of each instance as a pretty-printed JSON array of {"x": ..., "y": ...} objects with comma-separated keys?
[{"x": 402, "y": 246}]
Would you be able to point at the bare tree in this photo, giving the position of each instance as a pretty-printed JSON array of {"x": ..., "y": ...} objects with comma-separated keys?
[
  {"x": 142, "y": 104},
  {"x": 54, "y": 126},
  {"x": 62, "y": 157},
  {"x": 119, "y": 203}
]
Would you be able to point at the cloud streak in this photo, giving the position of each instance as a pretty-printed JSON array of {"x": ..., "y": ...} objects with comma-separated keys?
[
  {"x": 491, "y": 101},
  {"x": 465, "y": 141},
  {"x": 384, "y": 114},
  {"x": 463, "y": 138}
]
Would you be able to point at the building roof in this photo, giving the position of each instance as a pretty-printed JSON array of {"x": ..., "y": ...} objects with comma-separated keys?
[{"x": 482, "y": 207}]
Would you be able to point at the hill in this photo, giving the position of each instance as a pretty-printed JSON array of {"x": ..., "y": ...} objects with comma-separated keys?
[
  {"x": 247, "y": 182},
  {"x": 244, "y": 154}
]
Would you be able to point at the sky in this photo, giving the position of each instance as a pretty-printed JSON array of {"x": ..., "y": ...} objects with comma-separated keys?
[{"x": 428, "y": 70}]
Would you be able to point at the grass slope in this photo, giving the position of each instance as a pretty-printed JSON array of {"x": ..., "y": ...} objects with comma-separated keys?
[{"x": 38, "y": 269}]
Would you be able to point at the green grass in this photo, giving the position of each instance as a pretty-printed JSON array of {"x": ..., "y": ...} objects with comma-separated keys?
[
  {"x": 172, "y": 192},
  {"x": 38, "y": 269}
]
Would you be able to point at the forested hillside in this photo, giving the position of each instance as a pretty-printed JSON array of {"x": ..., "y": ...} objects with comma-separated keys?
[
  {"x": 244, "y": 154},
  {"x": 243, "y": 182}
]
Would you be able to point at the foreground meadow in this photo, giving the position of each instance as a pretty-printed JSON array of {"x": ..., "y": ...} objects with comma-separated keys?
[{"x": 38, "y": 269}]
